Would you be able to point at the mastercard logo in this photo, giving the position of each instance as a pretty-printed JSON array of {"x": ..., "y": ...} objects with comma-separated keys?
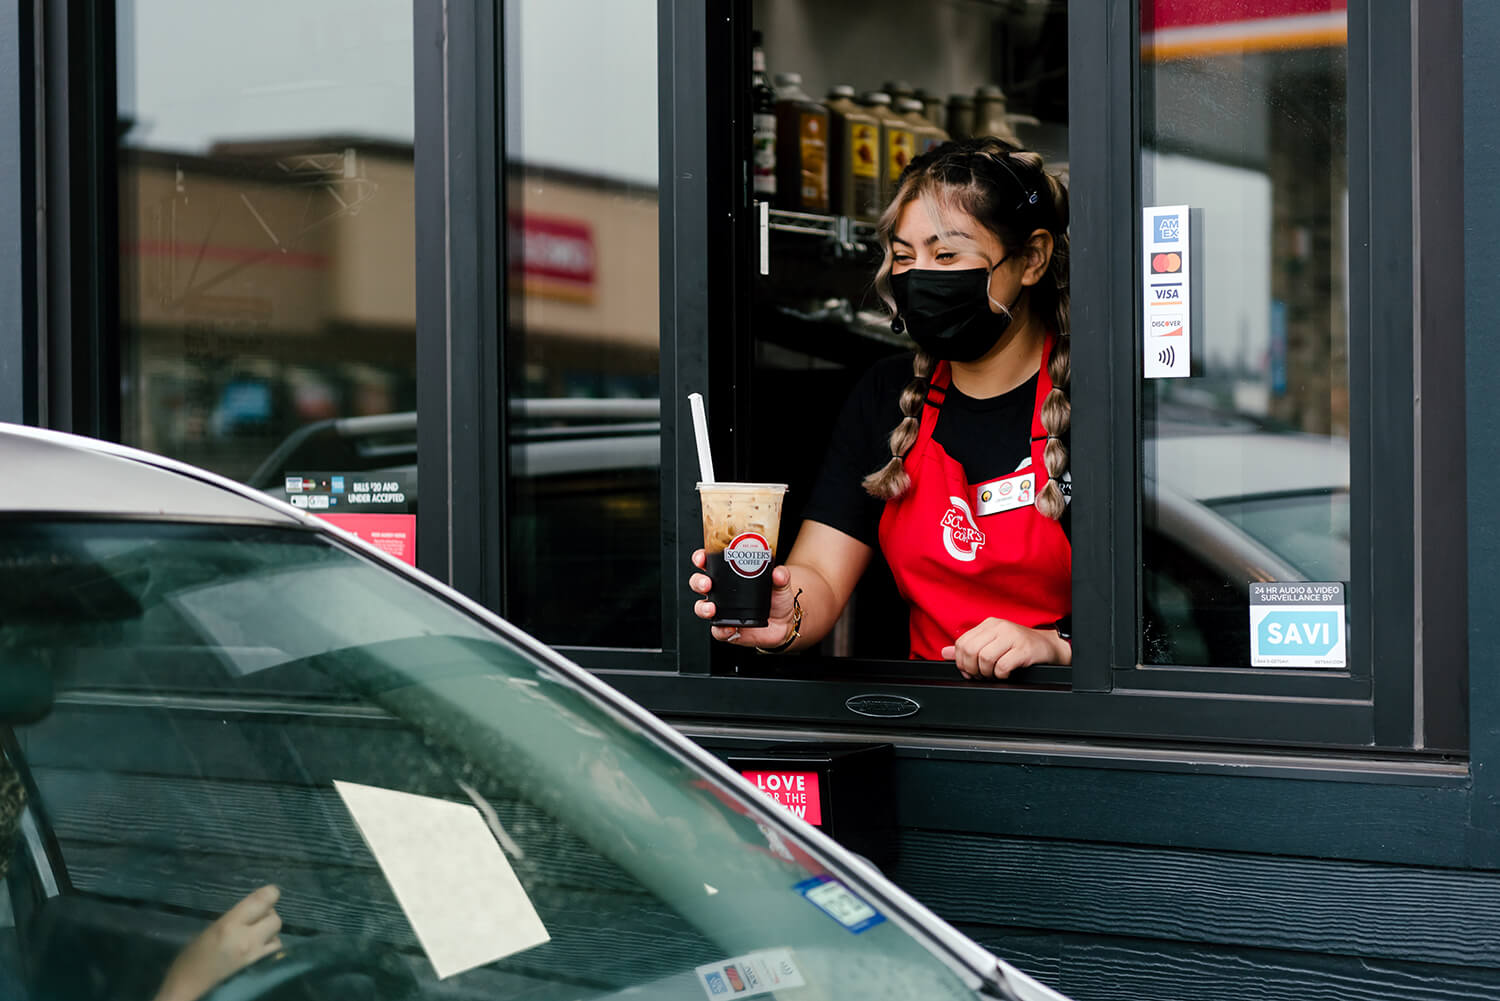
[{"x": 1166, "y": 264}]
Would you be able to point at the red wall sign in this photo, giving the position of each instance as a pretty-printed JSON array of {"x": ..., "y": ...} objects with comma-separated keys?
[
  {"x": 555, "y": 249},
  {"x": 396, "y": 534},
  {"x": 797, "y": 791},
  {"x": 1176, "y": 29}
]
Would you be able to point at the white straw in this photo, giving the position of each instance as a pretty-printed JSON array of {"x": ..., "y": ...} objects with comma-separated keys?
[{"x": 700, "y": 430}]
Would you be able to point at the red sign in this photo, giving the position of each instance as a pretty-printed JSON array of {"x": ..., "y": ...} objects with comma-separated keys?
[
  {"x": 1174, "y": 29},
  {"x": 797, "y": 791},
  {"x": 554, "y": 250},
  {"x": 396, "y": 534}
]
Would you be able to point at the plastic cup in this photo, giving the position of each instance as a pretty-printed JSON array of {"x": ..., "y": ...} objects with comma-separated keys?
[{"x": 741, "y": 524}]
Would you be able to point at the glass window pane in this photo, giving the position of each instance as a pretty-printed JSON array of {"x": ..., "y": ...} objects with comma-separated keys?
[
  {"x": 267, "y": 238},
  {"x": 583, "y": 335},
  {"x": 1246, "y": 456}
]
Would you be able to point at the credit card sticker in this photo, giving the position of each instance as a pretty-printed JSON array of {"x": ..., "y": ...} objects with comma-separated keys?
[
  {"x": 751, "y": 974},
  {"x": 840, "y": 903}
]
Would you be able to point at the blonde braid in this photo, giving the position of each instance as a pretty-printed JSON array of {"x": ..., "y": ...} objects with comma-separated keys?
[
  {"x": 891, "y": 480},
  {"x": 1057, "y": 410}
]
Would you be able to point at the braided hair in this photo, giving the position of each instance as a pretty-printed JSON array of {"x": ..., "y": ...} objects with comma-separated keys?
[{"x": 981, "y": 178}]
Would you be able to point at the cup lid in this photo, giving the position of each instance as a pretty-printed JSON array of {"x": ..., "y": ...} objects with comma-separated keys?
[{"x": 731, "y": 485}]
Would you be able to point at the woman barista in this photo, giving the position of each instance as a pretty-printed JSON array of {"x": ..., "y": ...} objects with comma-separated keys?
[{"x": 967, "y": 496}]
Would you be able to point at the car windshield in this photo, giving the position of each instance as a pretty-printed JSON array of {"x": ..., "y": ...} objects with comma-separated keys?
[{"x": 199, "y": 710}]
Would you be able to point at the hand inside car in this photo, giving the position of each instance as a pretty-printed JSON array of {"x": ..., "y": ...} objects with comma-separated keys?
[
  {"x": 246, "y": 932},
  {"x": 778, "y": 623},
  {"x": 996, "y": 647}
]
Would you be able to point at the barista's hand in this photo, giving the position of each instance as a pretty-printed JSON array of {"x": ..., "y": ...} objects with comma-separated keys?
[
  {"x": 246, "y": 932},
  {"x": 996, "y": 647},
  {"x": 778, "y": 623}
]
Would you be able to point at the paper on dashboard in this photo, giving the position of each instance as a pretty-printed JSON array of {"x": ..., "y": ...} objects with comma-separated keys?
[{"x": 452, "y": 880}]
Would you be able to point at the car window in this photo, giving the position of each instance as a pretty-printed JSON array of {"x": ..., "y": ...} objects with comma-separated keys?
[{"x": 209, "y": 686}]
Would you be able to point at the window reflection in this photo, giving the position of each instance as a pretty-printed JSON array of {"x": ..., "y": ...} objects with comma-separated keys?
[
  {"x": 1246, "y": 463},
  {"x": 267, "y": 244},
  {"x": 583, "y": 331}
]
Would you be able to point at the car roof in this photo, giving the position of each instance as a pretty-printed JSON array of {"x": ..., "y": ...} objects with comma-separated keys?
[{"x": 48, "y": 471}]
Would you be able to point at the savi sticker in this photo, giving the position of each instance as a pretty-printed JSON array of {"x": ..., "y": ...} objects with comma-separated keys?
[
  {"x": 754, "y": 973},
  {"x": 1166, "y": 293},
  {"x": 1297, "y": 624},
  {"x": 840, "y": 903}
]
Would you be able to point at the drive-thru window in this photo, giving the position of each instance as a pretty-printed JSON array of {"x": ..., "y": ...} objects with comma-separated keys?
[{"x": 479, "y": 255}]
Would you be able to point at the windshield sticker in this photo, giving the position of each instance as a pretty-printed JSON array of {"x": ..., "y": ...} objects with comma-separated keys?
[
  {"x": 840, "y": 903},
  {"x": 452, "y": 880},
  {"x": 746, "y": 976},
  {"x": 1297, "y": 624}
]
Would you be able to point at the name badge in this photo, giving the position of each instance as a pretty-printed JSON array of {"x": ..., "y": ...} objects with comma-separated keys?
[{"x": 1005, "y": 494}]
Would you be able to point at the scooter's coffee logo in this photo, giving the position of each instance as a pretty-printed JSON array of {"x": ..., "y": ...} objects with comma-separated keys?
[
  {"x": 748, "y": 554},
  {"x": 960, "y": 535}
]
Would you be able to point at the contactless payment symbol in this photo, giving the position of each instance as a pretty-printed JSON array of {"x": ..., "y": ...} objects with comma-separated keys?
[{"x": 748, "y": 554}]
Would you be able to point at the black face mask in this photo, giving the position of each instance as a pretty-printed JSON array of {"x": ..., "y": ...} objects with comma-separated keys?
[{"x": 947, "y": 312}]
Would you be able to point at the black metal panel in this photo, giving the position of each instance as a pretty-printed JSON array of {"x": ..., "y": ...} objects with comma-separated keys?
[
  {"x": 1391, "y": 810},
  {"x": 975, "y": 709},
  {"x": 1481, "y": 192},
  {"x": 1383, "y": 547},
  {"x": 461, "y": 456},
  {"x": 1102, "y": 172},
  {"x": 1443, "y": 652},
  {"x": 81, "y": 309},
  {"x": 1244, "y": 681},
  {"x": 18, "y": 168},
  {"x": 614, "y": 659},
  {"x": 687, "y": 256}
]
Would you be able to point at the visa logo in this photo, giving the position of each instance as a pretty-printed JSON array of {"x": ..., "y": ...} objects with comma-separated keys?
[
  {"x": 1299, "y": 634},
  {"x": 1167, "y": 294}
]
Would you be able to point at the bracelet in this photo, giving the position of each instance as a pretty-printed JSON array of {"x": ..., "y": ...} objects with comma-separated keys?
[{"x": 793, "y": 633}]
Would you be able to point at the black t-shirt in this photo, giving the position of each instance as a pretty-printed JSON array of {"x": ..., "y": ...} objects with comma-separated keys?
[{"x": 989, "y": 438}]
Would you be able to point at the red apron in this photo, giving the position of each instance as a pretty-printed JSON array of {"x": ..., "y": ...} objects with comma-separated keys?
[{"x": 956, "y": 565}]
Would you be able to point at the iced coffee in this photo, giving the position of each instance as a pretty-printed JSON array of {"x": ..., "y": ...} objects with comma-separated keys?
[{"x": 741, "y": 523}]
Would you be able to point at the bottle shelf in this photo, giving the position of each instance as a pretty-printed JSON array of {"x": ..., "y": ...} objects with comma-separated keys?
[{"x": 851, "y": 235}]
